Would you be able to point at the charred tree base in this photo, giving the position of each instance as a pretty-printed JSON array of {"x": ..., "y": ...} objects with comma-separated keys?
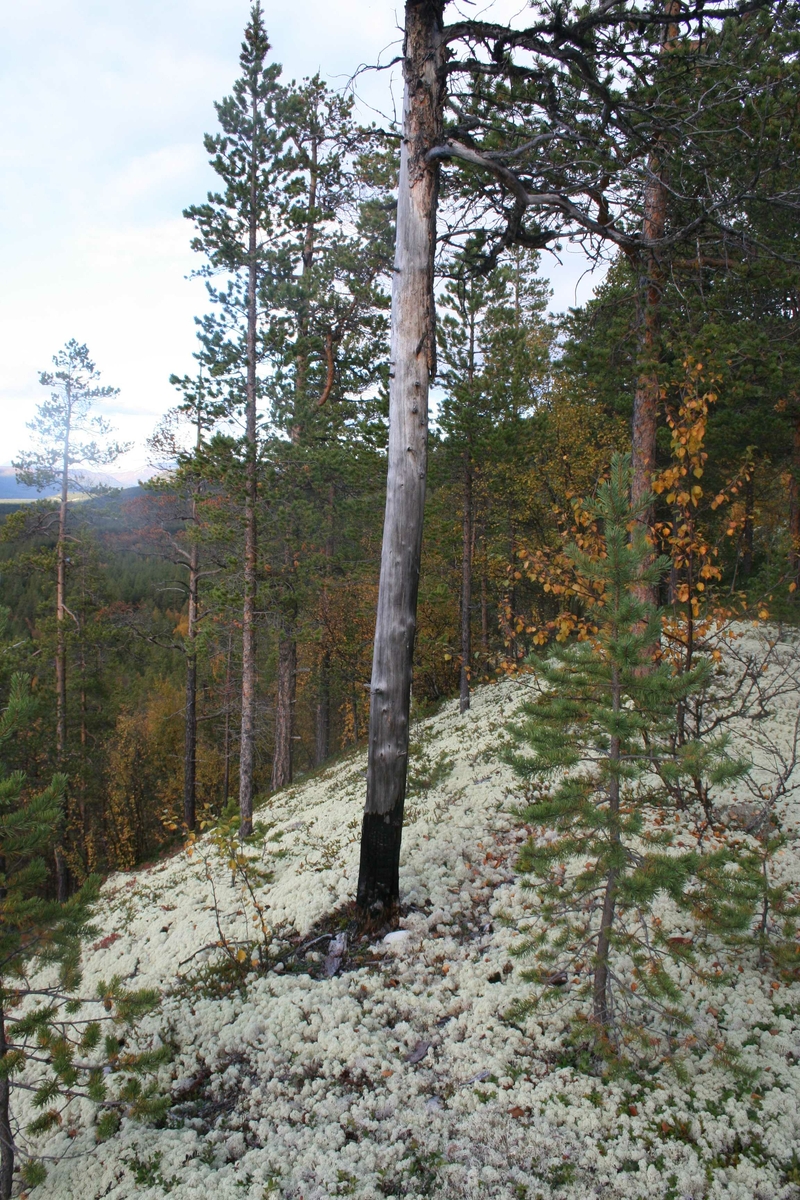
[{"x": 379, "y": 869}]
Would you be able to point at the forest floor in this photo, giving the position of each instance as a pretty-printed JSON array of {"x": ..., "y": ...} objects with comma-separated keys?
[{"x": 402, "y": 1073}]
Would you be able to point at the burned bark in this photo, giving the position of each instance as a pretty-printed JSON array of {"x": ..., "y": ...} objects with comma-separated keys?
[{"x": 413, "y": 364}]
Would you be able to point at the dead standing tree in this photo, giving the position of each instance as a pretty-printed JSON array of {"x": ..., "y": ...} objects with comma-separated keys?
[
  {"x": 413, "y": 363},
  {"x": 555, "y": 127}
]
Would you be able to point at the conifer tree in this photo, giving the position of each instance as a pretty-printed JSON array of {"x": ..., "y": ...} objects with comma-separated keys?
[
  {"x": 47, "y": 1046},
  {"x": 60, "y": 424},
  {"x": 605, "y": 749},
  {"x": 177, "y": 447},
  {"x": 233, "y": 230},
  {"x": 494, "y": 343}
]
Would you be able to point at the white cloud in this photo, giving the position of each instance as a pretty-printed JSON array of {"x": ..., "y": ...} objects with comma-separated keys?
[{"x": 104, "y": 109}]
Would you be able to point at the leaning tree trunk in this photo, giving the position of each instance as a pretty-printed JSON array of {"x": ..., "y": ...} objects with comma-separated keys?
[
  {"x": 413, "y": 362},
  {"x": 247, "y": 745}
]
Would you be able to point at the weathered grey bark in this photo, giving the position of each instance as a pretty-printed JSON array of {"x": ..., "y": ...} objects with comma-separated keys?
[
  {"x": 284, "y": 710},
  {"x": 190, "y": 725},
  {"x": 247, "y": 741},
  {"x": 466, "y": 585},
  {"x": 412, "y": 366},
  {"x": 6, "y": 1136}
]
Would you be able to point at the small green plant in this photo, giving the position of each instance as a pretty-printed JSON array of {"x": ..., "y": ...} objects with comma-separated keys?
[
  {"x": 249, "y": 876},
  {"x": 607, "y": 757}
]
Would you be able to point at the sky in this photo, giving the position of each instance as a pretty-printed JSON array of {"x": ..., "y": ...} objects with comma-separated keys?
[{"x": 104, "y": 107}]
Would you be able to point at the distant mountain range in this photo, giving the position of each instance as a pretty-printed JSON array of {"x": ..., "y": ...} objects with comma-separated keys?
[{"x": 11, "y": 490}]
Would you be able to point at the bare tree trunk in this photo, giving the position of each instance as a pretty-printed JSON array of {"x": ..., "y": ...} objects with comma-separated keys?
[
  {"x": 322, "y": 732},
  {"x": 323, "y": 717},
  {"x": 247, "y": 742},
  {"x": 284, "y": 710},
  {"x": 413, "y": 361},
  {"x": 466, "y": 586},
  {"x": 651, "y": 291},
  {"x": 62, "y": 871},
  {"x": 282, "y": 767},
  {"x": 794, "y": 508},
  {"x": 226, "y": 733},
  {"x": 190, "y": 728},
  {"x": 6, "y": 1136},
  {"x": 648, "y": 389},
  {"x": 484, "y": 610},
  {"x": 749, "y": 507},
  {"x": 600, "y": 1005}
]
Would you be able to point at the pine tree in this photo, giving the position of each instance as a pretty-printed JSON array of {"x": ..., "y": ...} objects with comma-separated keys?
[
  {"x": 604, "y": 731},
  {"x": 494, "y": 343},
  {"x": 233, "y": 230},
  {"x": 47, "y": 1045},
  {"x": 60, "y": 422}
]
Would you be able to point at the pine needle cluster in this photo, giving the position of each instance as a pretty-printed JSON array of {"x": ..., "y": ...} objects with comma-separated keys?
[{"x": 599, "y": 744}]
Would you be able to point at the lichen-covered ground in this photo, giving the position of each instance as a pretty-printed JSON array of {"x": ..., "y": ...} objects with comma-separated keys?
[{"x": 401, "y": 1075}]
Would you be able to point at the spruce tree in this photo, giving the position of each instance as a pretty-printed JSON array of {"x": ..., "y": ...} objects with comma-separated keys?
[{"x": 612, "y": 772}]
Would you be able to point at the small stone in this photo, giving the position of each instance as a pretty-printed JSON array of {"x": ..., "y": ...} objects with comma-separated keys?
[
  {"x": 418, "y": 1053},
  {"x": 396, "y": 938}
]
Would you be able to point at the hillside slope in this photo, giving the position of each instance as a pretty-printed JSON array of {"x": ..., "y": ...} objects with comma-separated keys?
[{"x": 401, "y": 1075}]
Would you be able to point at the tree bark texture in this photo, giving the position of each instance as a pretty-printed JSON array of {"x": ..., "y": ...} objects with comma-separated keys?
[
  {"x": 466, "y": 587},
  {"x": 412, "y": 366},
  {"x": 282, "y": 766},
  {"x": 247, "y": 743},
  {"x": 322, "y": 731},
  {"x": 6, "y": 1136},
  {"x": 62, "y": 871},
  {"x": 648, "y": 392},
  {"x": 749, "y": 519},
  {"x": 190, "y": 726},
  {"x": 794, "y": 508},
  {"x": 600, "y": 998},
  {"x": 651, "y": 291},
  {"x": 284, "y": 710}
]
